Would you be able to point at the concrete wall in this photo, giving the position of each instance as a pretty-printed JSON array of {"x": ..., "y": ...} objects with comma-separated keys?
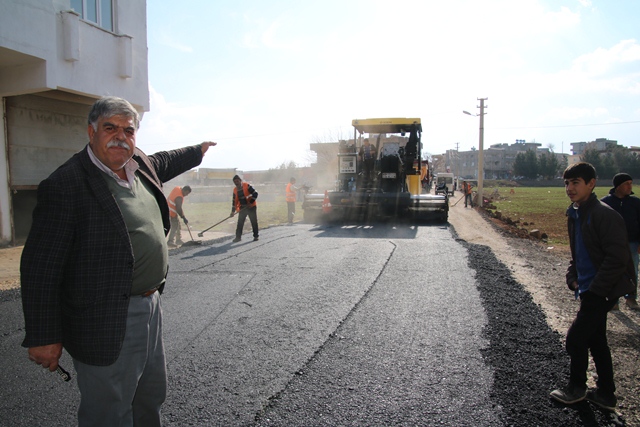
[
  {"x": 5, "y": 198},
  {"x": 53, "y": 65},
  {"x": 43, "y": 133},
  {"x": 45, "y": 46}
]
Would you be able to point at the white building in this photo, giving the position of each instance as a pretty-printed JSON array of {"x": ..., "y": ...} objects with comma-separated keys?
[{"x": 56, "y": 58}]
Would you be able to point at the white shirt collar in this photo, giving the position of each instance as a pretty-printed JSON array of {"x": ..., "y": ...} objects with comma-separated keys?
[{"x": 130, "y": 169}]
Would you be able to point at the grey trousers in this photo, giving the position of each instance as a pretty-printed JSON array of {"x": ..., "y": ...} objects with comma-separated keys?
[
  {"x": 175, "y": 235},
  {"x": 131, "y": 391}
]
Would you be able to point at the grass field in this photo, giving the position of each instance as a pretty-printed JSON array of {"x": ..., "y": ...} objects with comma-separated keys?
[
  {"x": 204, "y": 215},
  {"x": 543, "y": 208}
]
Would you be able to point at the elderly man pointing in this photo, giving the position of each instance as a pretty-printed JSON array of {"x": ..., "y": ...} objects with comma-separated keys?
[{"x": 94, "y": 265}]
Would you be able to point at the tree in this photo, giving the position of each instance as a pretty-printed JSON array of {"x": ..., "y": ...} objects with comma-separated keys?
[
  {"x": 531, "y": 160},
  {"x": 592, "y": 156},
  {"x": 608, "y": 166},
  {"x": 616, "y": 159},
  {"x": 519, "y": 167},
  {"x": 548, "y": 165},
  {"x": 554, "y": 165},
  {"x": 526, "y": 164},
  {"x": 542, "y": 165}
]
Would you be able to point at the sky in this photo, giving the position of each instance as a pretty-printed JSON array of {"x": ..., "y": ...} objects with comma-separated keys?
[{"x": 266, "y": 79}]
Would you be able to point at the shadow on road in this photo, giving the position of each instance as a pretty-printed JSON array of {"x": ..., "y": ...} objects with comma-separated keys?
[{"x": 375, "y": 230}]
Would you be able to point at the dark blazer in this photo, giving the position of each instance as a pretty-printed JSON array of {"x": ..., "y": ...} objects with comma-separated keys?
[
  {"x": 629, "y": 208},
  {"x": 77, "y": 263}
]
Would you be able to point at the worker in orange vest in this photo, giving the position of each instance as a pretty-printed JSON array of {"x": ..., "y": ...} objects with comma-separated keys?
[
  {"x": 466, "y": 187},
  {"x": 244, "y": 203},
  {"x": 175, "y": 200},
  {"x": 290, "y": 197}
]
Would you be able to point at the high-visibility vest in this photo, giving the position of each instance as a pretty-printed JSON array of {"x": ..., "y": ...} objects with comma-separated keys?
[
  {"x": 171, "y": 200},
  {"x": 291, "y": 193},
  {"x": 247, "y": 197}
]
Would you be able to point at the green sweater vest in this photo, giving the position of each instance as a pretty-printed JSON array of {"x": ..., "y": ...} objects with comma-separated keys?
[{"x": 144, "y": 223}]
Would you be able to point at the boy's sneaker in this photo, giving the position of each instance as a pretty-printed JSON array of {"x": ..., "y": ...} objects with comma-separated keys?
[
  {"x": 569, "y": 394},
  {"x": 603, "y": 400}
]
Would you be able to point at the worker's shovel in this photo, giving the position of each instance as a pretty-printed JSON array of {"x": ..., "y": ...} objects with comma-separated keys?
[{"x": 192, "y": 242}]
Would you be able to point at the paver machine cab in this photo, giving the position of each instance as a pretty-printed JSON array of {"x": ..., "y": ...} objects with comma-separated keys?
[{"x": 392, "y": 189}]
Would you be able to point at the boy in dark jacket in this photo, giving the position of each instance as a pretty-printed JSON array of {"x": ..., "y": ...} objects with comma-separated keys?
[{"x": 600, "y": 271}]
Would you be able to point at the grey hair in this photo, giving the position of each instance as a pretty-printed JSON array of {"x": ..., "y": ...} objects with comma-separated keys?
[{"x": 109, "y": 106}]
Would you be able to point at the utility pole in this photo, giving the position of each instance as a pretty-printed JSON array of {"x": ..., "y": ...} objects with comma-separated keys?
[
  {"x": 457, "y": 172},
  {"x": 480, "y": 148},
  {"x": 481, "y": 153}
]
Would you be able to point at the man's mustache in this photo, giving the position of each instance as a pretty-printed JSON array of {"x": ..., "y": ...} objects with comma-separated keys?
[{"x": 118, "y": 144}]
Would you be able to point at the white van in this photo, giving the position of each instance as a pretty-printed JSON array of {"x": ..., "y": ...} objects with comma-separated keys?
[{"x": 444, "y": 183}]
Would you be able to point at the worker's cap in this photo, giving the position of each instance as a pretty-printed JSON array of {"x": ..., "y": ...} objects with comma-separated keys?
[
  {"x": 620, "y": 179},
  {"x": 236, "y": 177}
]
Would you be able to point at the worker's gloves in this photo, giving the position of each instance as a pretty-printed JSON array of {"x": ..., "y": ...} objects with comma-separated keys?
[
  {"x": 186, "y": 221},
  {"x": 231, "y": 214}
]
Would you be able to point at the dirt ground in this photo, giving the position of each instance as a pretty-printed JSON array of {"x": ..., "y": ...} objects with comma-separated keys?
[
  {"x": 538, "y": 267},
  {"x": 10, "y": 267}
]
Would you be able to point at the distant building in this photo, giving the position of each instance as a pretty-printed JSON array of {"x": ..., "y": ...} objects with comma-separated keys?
[
  {"x": 573, "y": 159},
  {"x": 600, "y": 145},
  {"x": 498, "y": 160},
  {"x": 57, "y": 58}
]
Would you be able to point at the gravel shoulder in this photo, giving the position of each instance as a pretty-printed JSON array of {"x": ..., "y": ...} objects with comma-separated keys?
[{"x": 540, "y": 270}]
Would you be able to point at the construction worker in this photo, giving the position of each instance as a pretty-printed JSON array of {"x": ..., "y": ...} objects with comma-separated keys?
[
  {"x": 175, "y": 199},
  {"x": 291, "y": 199},
  {"x": 466, "y": 187},
  {"x": 368, "y": 158},
  {"x": 244, "y": 203}
]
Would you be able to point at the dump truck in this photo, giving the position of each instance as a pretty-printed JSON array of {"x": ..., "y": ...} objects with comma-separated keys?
[{"x": 392, "y": 189}]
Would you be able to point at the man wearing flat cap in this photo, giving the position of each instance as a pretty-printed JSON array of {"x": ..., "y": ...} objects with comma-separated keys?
[{"x": 621, "y": 200}]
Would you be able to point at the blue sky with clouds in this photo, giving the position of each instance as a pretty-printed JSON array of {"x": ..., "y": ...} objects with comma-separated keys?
[{"x": 266, "y": 79}]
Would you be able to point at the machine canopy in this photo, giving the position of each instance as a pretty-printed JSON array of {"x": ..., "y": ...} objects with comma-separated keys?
[{"x": 392, "y": 125}]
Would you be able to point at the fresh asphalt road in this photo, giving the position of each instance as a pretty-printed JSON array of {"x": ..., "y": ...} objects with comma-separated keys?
[{"x": 310, "y": 325}]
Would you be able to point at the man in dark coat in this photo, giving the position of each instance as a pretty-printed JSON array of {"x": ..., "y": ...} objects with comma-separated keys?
[
  {"x": 94, "y": 265},
  {"x": 621, "y": 199}
]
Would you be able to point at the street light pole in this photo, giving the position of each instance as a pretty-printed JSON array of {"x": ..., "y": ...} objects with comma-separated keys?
[{"x": 480, "y": 149}]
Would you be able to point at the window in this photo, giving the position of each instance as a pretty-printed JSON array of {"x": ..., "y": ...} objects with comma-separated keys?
[{"x": 99, "y": 12}]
